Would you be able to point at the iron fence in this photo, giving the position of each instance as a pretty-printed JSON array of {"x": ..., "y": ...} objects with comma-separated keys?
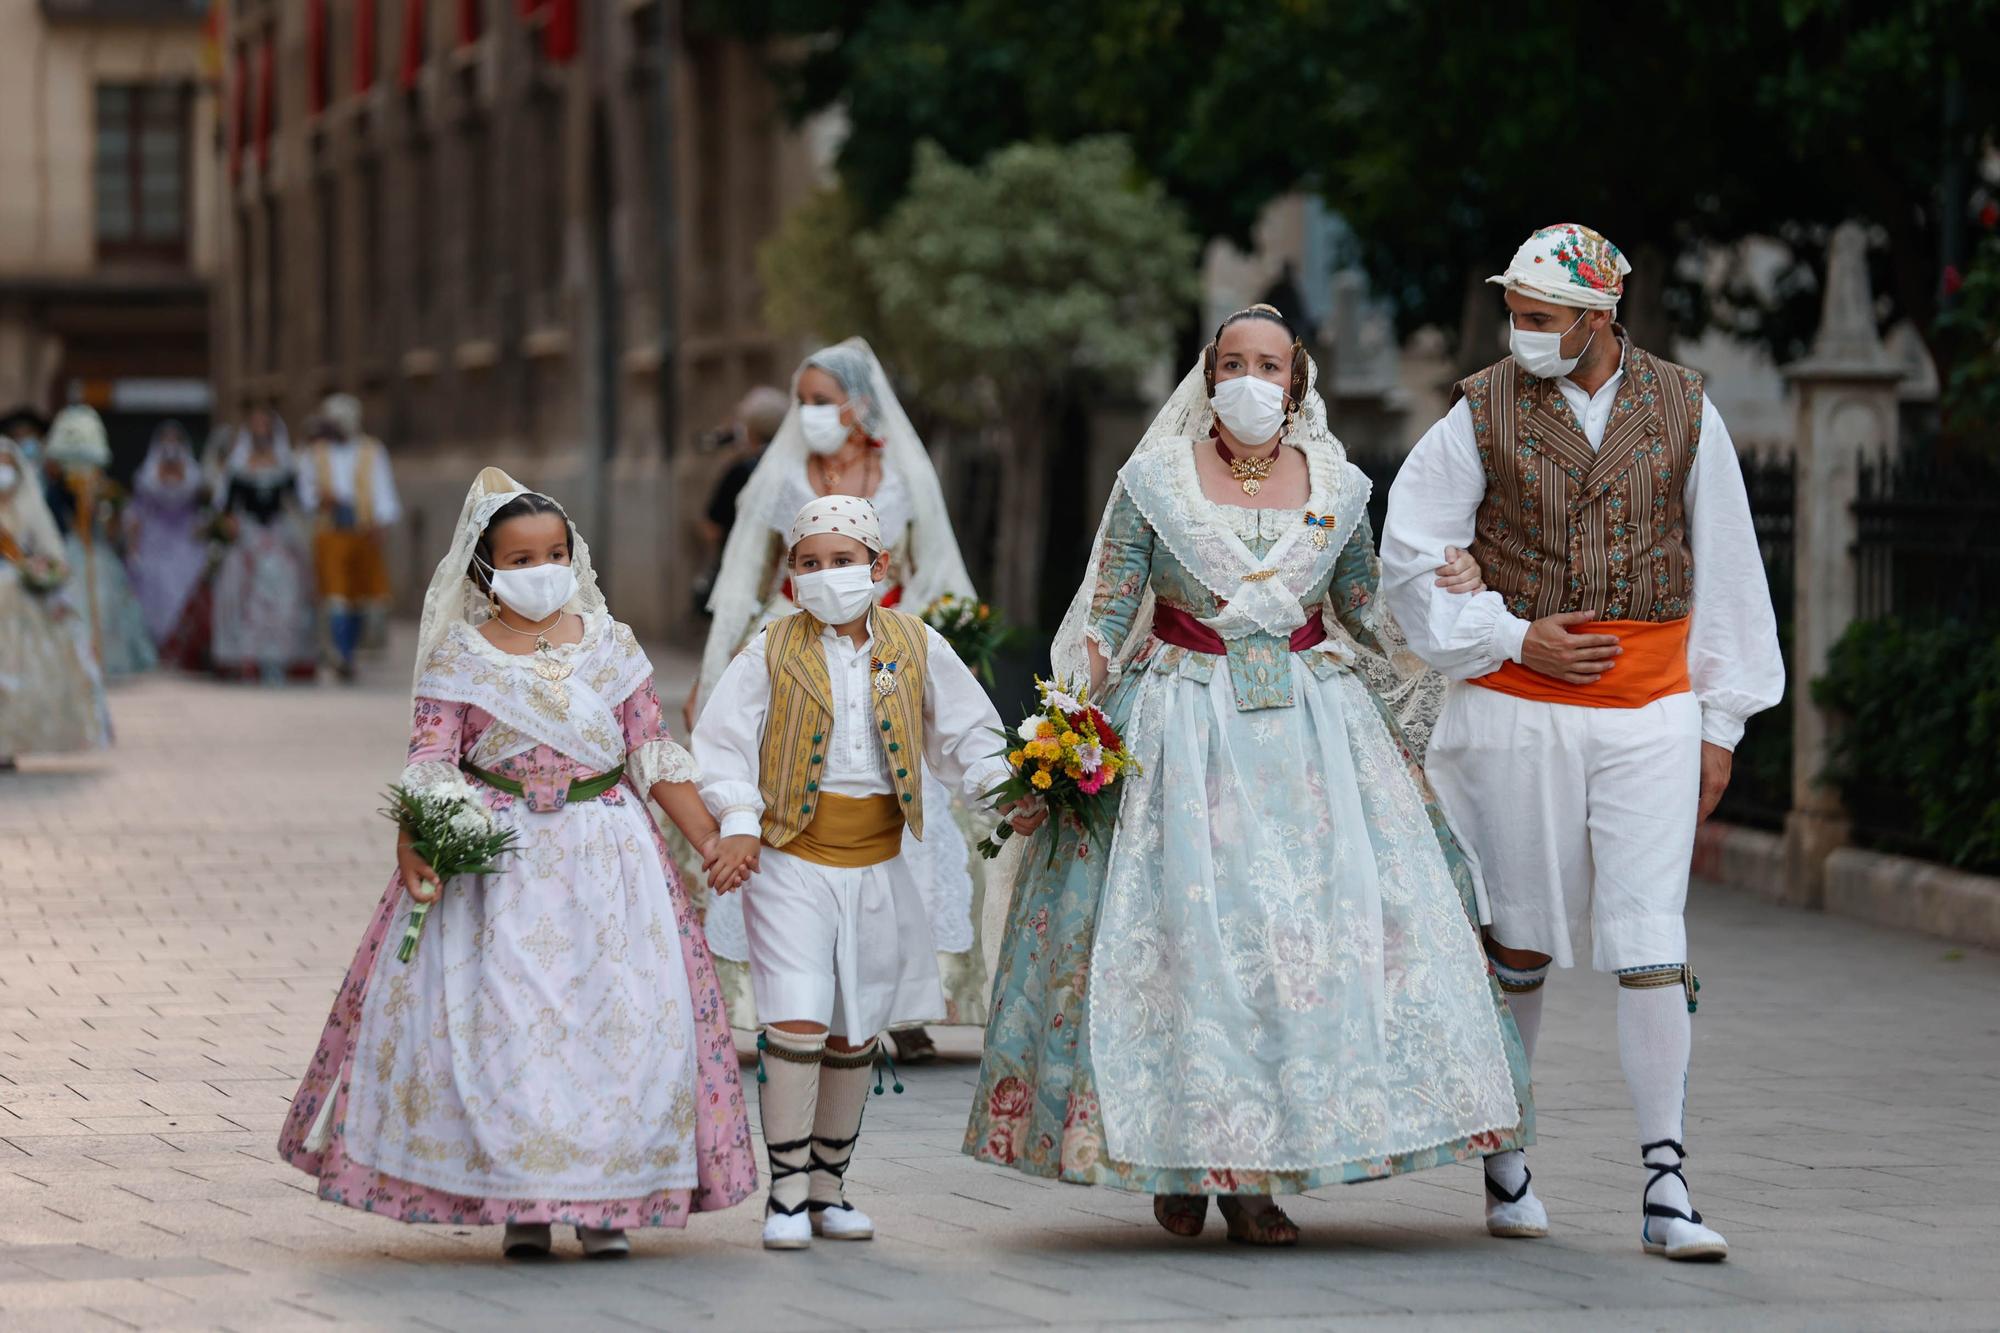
[{"x": 1928, "y": 541}]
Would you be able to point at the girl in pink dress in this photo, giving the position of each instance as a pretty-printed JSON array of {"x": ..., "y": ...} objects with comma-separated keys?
[{"x": 556, "y": 1052}]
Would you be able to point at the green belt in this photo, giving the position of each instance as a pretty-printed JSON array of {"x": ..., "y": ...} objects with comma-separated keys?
[{"x": 580, "y": 789}]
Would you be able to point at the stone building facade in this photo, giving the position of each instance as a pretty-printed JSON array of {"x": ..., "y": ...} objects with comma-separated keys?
[
  {"x": 108, "y": 221},
  {"x": 462, "y": 213}
]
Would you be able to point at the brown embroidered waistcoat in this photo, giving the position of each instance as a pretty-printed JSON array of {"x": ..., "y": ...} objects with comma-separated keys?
[{"x": 1567, "y": 528}]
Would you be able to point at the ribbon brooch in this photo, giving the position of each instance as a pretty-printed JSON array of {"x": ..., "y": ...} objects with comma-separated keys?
[
  {"x": 1319, "y": 523},
  {"x": 885, "y": 676}
]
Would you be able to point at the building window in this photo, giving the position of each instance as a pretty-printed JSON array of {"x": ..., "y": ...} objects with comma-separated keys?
[
  {"x": 423, "y": 230},
  {"x": 549, "y": 220},
  {"x": 142, "y": 171},
  {"x": 274, "y": 285},
  {"x": 476, "y": 222}
]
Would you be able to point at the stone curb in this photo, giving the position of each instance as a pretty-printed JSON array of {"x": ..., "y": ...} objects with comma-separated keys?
[{"x": 1889, "y": 890}]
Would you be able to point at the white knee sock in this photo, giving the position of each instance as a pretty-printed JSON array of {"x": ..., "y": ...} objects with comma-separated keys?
[
  {"x": 787, "y": 1098},
  {"x": 843, "y": 1096},
  {"x": 1655, "y": 1038},
  {"x": 1523, "y": 988}
]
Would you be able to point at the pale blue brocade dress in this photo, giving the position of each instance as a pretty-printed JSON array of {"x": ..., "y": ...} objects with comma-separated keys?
[{"x": 1271, "y": 980}]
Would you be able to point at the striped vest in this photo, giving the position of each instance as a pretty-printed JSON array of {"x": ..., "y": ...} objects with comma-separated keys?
[
  {"x": 1564, "y": 527},
  {"x": 799, "y": 725}
]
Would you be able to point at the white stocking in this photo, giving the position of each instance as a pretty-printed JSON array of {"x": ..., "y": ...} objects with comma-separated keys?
[
  {"x": 1655, "y": 1038},
  {"x": 1523, "y": 988},
  {"x": 787, "y": 1098},
  {"x": 843, "y": 1096}
]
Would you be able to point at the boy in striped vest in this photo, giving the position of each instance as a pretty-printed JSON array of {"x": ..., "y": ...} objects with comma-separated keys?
[{"x": 812, "y": 753}]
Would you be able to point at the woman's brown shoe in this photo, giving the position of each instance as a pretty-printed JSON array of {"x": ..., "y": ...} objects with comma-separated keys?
[
  {"x": 1181, "y": 1214},
  {"x": 1255, "y": 1219}
]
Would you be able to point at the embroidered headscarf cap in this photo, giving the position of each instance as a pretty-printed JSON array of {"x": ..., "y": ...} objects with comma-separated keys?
[
  {"x": 1568, "y": 264},
  {"x": 841, "y": 515}
]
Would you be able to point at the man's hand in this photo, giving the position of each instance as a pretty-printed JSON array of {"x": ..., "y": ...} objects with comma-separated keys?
[
  {"x": 1460, "y": 572},
  {"x": 1025, "y": 816},
  {"x": 735, "y": 861},
  {"x": 1716, "y": 763},
  {"x": 1579, "y": 659}
]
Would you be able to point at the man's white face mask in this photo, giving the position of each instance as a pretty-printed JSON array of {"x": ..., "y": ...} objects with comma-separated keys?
[{"x": 1540, "y": 354}]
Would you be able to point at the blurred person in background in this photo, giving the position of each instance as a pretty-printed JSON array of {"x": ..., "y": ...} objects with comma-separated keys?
[
  {"x": 756, "y": 420},
  {"x": 51, "y": 695},
  {"x": 166, "y": 544},
  {"x": 348, "y": 488},
  {"x": 263, "y": 587},
  {"x": 87, "y": 505}
]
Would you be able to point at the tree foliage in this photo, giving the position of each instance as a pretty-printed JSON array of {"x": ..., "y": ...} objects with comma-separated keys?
[{"x": 1444, "y": 130}]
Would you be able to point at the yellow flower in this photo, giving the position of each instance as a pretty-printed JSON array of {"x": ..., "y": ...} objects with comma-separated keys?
[
  {"x": 1042, "y": 780},
  {"x": 1070, "y": 740},
  {"x": 1073, "y": 771},
  {"x": 1111, "y": 777},
  {"x": 1015, "y": 758},
  {"x": 984, "y": 610},
  {"x": 1046, "y": 730}
]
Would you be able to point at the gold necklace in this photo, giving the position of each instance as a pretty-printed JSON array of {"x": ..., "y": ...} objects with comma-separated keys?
[
  {"x": 1251, "y": 472},
  {"x": 829, "y": 475},
  {"x": 540, "y": 636}
]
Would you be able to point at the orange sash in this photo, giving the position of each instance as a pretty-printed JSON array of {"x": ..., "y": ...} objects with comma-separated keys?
[{"x": 1653, "y": 666}]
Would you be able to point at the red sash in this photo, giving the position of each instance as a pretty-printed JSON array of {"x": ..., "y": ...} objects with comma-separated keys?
[{"x": 1175, "y": 626}]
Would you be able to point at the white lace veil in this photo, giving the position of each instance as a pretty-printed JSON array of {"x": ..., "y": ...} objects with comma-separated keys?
[
  {"x": 454, "y": 599},
  {"x": 1414, "y": 693},
  {"x": 24, "y": 511},
  {"x": 934, "y": 567},
  {"x": 169, "y": 441}
]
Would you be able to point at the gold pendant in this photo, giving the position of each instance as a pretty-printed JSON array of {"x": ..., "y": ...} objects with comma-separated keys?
[
  {"x": 1319, "y": 538},
  {"x": 885, "y": 683},
  {"x": 1252, "y": 485},
  {"x": 548, "y": 666}
]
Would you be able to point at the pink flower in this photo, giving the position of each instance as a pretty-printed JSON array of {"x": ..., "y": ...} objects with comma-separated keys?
[
  {"x": 1009, "y": 1100},
  {"x": 1092, "y": 784}
]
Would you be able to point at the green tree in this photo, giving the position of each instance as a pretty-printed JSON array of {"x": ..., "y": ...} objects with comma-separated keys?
[
  {"x": 1445, "y": 130},
  {"x": 1004, "y": 292}
]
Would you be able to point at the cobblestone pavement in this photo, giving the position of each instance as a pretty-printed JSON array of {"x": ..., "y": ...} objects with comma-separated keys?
[{"x": 175, "y": 915}]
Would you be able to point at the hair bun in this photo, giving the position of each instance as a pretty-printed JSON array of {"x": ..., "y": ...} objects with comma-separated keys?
[{"x": 1267, "y": 308}]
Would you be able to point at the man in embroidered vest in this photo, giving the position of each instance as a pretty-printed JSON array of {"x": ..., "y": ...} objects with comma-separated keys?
[
  {"x": 346, "y": 483},
  {"x": 1604, "y": 675},
  {"x": 812, "y": 752}
]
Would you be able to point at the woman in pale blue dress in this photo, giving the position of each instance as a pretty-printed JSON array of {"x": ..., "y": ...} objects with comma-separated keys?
[{"x": 1271, "y": 979}]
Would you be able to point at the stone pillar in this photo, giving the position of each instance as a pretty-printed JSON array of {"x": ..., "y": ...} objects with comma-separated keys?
[{"x": 1847, "y": 411}]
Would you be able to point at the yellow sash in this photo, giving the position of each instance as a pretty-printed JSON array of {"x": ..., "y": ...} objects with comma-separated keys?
[{"x": 850, "y": 832}]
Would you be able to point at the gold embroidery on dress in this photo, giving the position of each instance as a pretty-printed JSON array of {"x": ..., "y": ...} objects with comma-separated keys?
[{"x": 414, "y": 1100}]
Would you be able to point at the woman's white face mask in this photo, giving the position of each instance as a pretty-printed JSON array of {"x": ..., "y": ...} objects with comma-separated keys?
[
  {"x": 1252, "y": 408},
  {"x": 825, "y": 432},
  {"x": 534, "y": 593},
  {"x": 835, "y": 596}
]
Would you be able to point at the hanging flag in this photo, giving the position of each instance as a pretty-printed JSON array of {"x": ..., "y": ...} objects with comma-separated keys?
[
  {"x": 265, "y": 74},
  {"x": 413, "y": 43},
  {"x": 529, "y": 8},
  {"x": 212, "y": 28},
  {"x": 364, "y": 45},
  {"x": 469, "y": 21},
  {"x": 316, "y": 55},
  {"x": 559, "y": 32}
]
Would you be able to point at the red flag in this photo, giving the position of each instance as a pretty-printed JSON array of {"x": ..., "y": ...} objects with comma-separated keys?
[
  {"x": 530, "y": 7},
  {"x": 316, "y": 55},
  {"x": 469, "y": 21},
  {"x": 364, "y": 45},
  {"x": 559, "y": 34},
  {"x": 265, "y": 73},
  {"x": 413, "y": 42}
]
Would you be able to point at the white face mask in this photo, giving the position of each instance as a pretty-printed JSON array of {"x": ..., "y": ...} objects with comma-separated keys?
[
  {"x": 825, "y": 432},
  {"x": 835, "y": 596},
  {"x": 535, "y": 593},
  {"x": 1540, "y": 354},
  {"x": 1253, "y": 409},
  {"x": 10, "y": 477}
]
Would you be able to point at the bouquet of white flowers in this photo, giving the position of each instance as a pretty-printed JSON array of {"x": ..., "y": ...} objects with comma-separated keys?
[{"x": 451, "y": 828}]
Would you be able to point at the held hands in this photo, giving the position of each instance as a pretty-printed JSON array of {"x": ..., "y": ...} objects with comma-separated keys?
[
  {"x": 734, "y": 861},
  {"x": 1579, "y": 659},
  {"x": 1460, "y": 572},
  {"x": 419, "y": 880},
  {"x": 1716, "y": 764}
]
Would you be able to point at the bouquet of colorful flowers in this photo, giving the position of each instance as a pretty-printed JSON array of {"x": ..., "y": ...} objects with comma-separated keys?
[
  {"x": 451, "y": 828},
  {"x": 43, "y": 574},
  {"x": 1067, "y": 756},
  {"x": 972, "y": 628}
]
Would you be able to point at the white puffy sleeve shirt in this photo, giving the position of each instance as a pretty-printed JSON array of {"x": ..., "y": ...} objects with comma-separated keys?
[
  {"x": 960, "y": 726},
  {"x": 342, "y": 460},
  {"x": 1734, "y": 663}
]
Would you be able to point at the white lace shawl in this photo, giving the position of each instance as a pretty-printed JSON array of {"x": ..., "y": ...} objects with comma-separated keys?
[{"x": 772, "y": 498}]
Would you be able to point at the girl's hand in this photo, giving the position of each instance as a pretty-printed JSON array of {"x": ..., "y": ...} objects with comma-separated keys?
[
  {"x": 419, "y": 880},
  {"x": 707, "y": 848},
  {"x": 1460, "y": 572},
  {"x": 735, "y": 861},
  {"x": 1025, "y": 816}
]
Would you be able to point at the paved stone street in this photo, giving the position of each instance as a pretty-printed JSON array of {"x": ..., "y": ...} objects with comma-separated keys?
[{"x": 178, "y": 911}]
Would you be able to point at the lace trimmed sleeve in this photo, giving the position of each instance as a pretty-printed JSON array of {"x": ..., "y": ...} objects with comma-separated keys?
[
  {"x": 437, "y": 731},
  {"x": 651, "y": 755}
]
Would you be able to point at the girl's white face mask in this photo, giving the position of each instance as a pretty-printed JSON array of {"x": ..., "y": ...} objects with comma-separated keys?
[
  {"x": 535, "y": 593},
  {"x": 825, "y": 432},
  {"x": 835, "y": 596},
  {"x": 1252, "y": 408}
]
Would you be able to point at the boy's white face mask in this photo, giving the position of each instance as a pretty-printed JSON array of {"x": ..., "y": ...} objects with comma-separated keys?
[{"x": 835, "y": 596}]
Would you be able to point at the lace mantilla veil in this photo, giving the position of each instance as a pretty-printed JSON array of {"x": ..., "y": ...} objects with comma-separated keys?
[
  {"x": 454, "y": 599},
  {"x": 1414, "y": 693},
  {"x": 936, "y": 567}
]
